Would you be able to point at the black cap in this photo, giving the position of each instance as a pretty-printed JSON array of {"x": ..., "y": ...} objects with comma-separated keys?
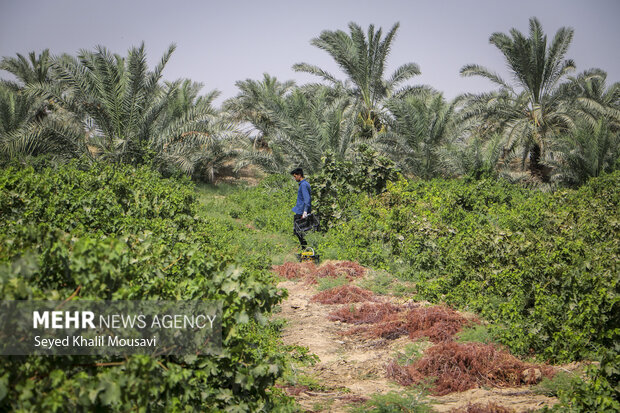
[{"x": 297, "y": 171}]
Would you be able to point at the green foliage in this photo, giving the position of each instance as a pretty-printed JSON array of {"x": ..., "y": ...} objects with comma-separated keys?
[
  {"x": 475, "y": 158},
  {"x": 304, "y": 125},
  {"x": 395, "y": 402},
  {"x": 341, "y": 183},
  {"x": 410, "y": 353},
  {"x": 362, "y": 57},
  {"x": 599, "y": 391},
  {"x": 586, "y": 152},
  {"x": 542, "y": 267},
  {"x": 102, "y": 105},
  {"x": 478, "y": 333},
  {"x": 529, "y": 111},
  {"x": 26, "y": 128},
  {"x": 269, "y": 205},
  {"x": 326, "y": 283},
  {"x": 419, "y": 125},
  {"x": 254, "y": 102},
  {"x": 117, "y": 232},
  {"x": 561, "y": 382},
  {"x": 31, "y": 69}
]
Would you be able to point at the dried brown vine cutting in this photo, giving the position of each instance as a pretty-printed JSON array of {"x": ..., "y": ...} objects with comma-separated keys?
[
  {"x": 457, "y": 367},
  {"x": 344, "y": 294},
  {"x": 310, "y": 273}
]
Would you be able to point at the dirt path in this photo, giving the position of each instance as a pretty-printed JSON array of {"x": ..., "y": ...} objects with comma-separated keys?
[
  {"x": 351, "y": 369},
  {"x": 348, "y": 368}
]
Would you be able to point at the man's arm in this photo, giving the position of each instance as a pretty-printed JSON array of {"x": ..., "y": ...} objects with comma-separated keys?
[{"x": 305, "y": 193}]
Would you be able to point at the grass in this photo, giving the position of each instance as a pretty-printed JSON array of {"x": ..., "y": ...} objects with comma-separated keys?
[
  {"x": 327, "y": 282},
  {"x": 308, "y": 381},
  {"x": 323, "y": 406},
  {"x": 378, "y": 281},
  {"x": 561, "y": 382},
  {"x": 411, "y": 401},
  {"x": 381, "y": 282},
  {"x": 411, "y": 352},
  {"x": 250, "y": 241},
  {"x": 477, "y": 333}
]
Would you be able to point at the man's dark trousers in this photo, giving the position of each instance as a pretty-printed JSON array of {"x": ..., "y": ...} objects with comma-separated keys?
[{"x": 302, "y": 240}]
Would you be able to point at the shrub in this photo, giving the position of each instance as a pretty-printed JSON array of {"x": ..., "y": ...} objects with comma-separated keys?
[
  {"x": 543, "y": 268},
  {"x": 122, "y": 233},
  {"x": 336, "y": 188},
  {"x": 599, "y": 391}
]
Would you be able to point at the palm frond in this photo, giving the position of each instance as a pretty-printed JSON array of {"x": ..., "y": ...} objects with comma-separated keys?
[
  {"x": 477, "y": 70},
  {"x": 315, "y": 70}
]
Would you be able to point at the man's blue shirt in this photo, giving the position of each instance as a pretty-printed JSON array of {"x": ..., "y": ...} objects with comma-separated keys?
[{"x": 304, "y": 198}]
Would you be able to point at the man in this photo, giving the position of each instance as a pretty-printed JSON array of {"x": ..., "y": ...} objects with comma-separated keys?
[{"x": 304, "y": 202}]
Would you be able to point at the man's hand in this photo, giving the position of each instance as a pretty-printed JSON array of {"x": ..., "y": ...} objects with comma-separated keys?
[{"x": 304, "y": 215}]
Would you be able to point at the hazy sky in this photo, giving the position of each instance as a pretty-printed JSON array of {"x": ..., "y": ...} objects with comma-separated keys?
[{"x": 221, "y": 42}]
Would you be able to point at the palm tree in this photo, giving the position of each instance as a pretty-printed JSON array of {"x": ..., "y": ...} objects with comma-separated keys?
[
  {"x": 474, "y": 157},
  {"x": 34, "y": 69},
  {"x": 255, "y": 103},
  {"x": 17, "y": 112},
  {"x": 191, "y": 135},
  {"x": 127, "y": 115},
  {"x": 118, "y": 98},
  {"x": 539, "y": 111},
  {"x": 362, "y": 57},
  {"x": 586, "y": 151},
  {"x": 29, "y": 70},
  {"x": 418, "y": 126},
  {"x": 186, "y": 96},
  {"x": 30, "y": 124},
  {"x": 23, "y": 132},
  {"x": 308, "y": 123},
  {"x": 593, "y": 99}
]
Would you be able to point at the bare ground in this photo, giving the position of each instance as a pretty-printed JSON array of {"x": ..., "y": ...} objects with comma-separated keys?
[{"x": 352, "y": 368}]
